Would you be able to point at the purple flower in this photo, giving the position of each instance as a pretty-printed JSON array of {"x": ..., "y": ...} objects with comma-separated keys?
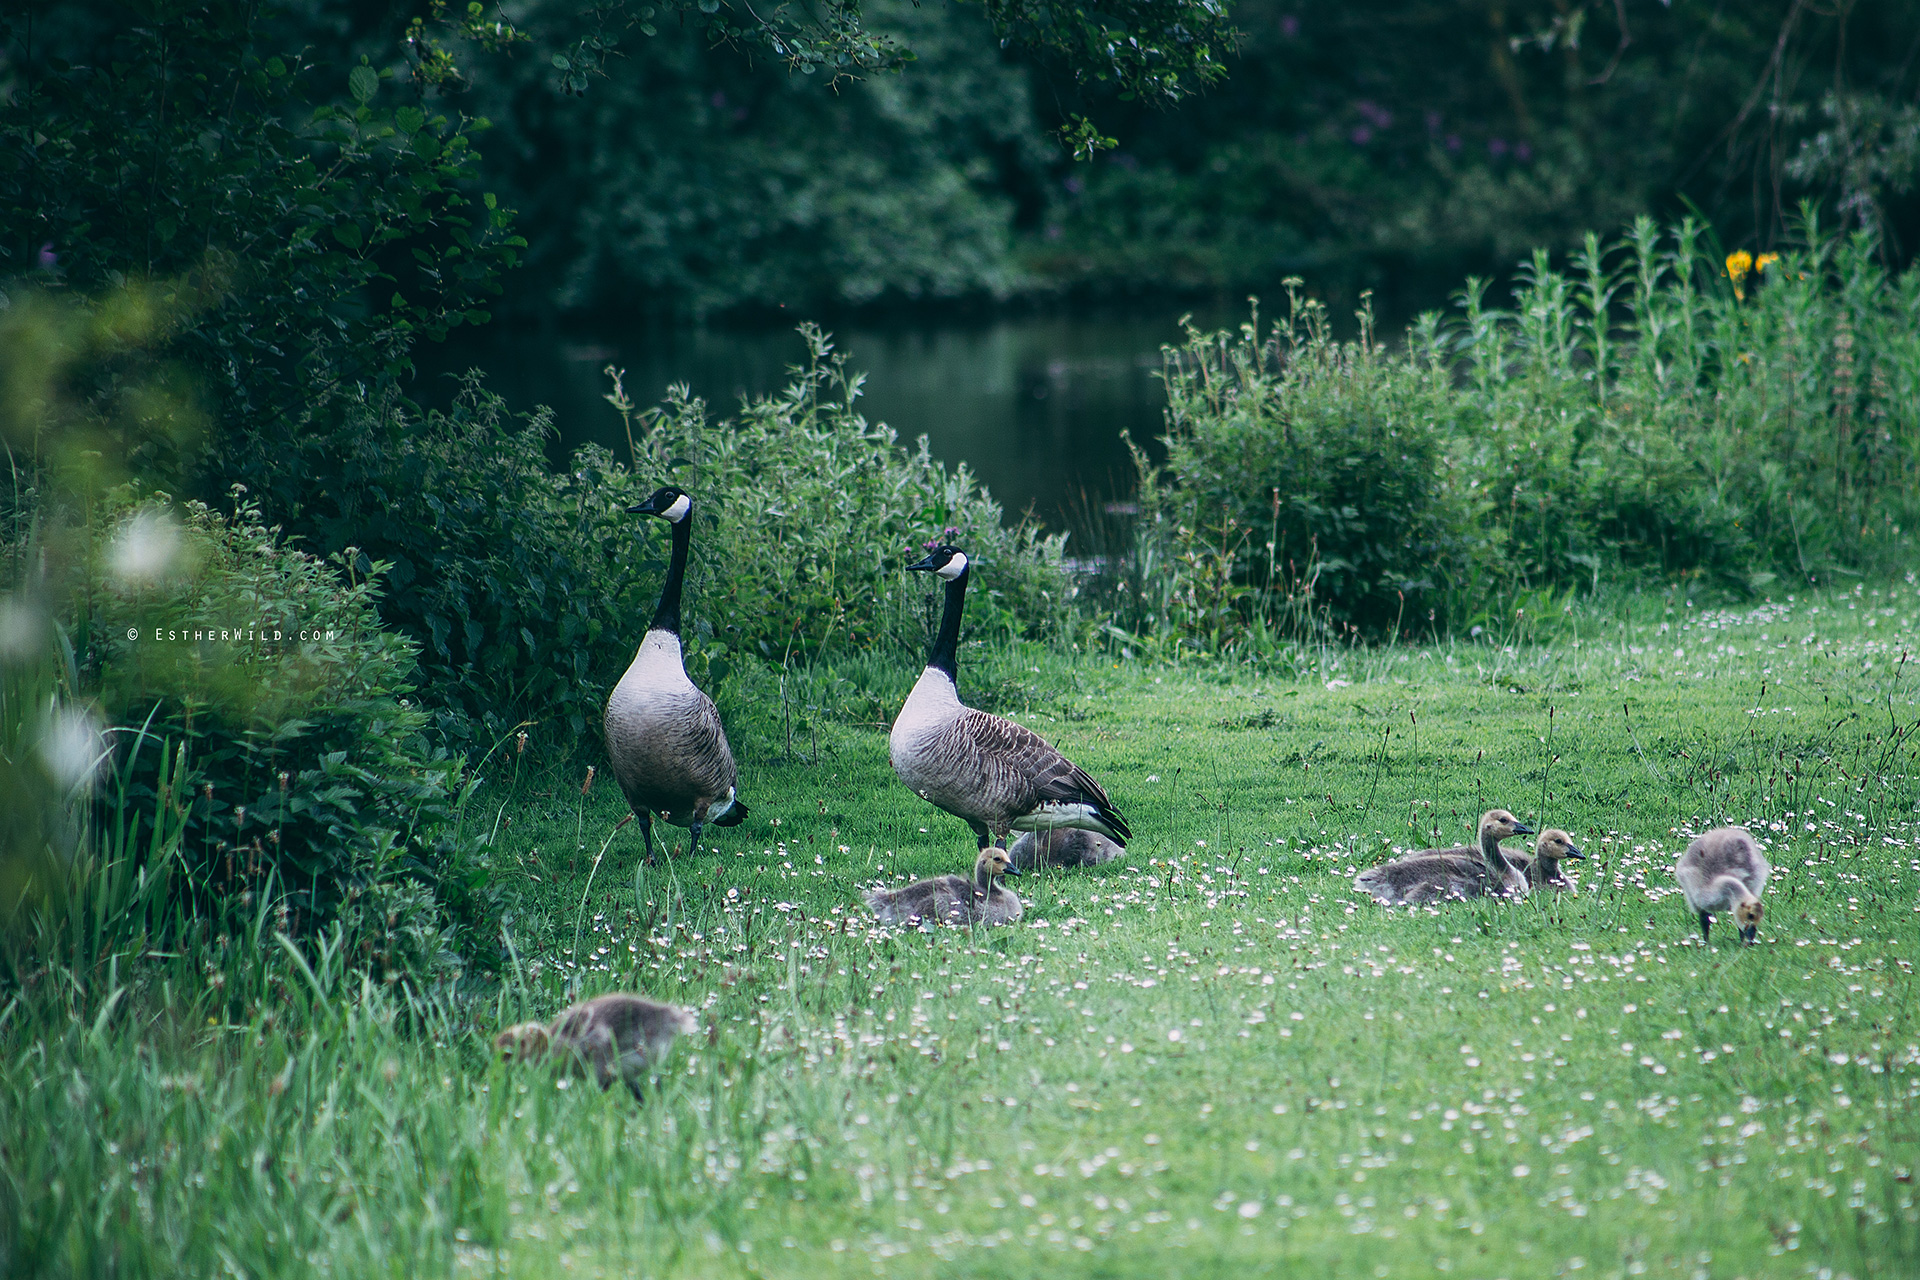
[
  {"x": 1523, "y": 153},
  {"x": 1497, "y": 147},
  {"x": 48, "y": 258},
  {"x": 1074, "y": 185},
  {"x": 1433, "y": 122},
  {"x": 1361, "y": 135},
  {"x": 1376, "y": 114},
  {"x": 1453, "y": 142},
  {"x": 1289, "y": 26}
]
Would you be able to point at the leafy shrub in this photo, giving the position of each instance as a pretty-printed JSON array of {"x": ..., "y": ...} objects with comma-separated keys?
[
  {"x": 1306, "y": 469},
  {"x": 286, "y": 716},
  {"x": 1662, "y": 408},
  {"x": 809, "y": 513}
]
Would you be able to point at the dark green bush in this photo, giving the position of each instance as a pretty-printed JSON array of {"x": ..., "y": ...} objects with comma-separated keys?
[
  {"x": 811, "y": 512},
  {"x": 1305, "y": 469},
  {"x": 1662, "y": 409},
  {"x": 268, "y": 678}
]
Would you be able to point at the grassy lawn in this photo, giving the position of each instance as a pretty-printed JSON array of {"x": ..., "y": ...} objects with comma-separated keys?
[{"x": 1212, "y": 1058}]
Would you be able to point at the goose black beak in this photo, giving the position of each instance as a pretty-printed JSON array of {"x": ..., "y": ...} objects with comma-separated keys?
[
  {"x": 1573, "y": 851},
  {"x": 922, "y": 566},
  {"x": 1748, "y": 933},
  {"x": 643, "y": 509},
  {"x": 1012, "y": 871},
  {"x": 1522, "y": 829}
]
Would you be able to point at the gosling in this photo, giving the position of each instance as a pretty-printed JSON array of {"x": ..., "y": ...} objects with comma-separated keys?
[
  {"x": 1542, "y": 870},
  {"x": 954, "y": 899},
  {"x": 610, "y": 1037},
  {"x": 1724, "y": 870},
  {"x": 1063, "y": 847},
  {"x": 1465, "y": 871}
]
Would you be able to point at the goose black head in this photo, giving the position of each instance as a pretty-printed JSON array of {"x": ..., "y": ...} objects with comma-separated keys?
[
  {"x": 948, "y": 562},
  {"x": 669, "y": 503}
]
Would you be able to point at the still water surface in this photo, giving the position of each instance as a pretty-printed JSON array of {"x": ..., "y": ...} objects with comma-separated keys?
[{"x": 1034, "y": 405}]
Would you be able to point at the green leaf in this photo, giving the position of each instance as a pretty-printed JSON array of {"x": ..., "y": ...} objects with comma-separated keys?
[
  {"x": 409, "y": 119},
  {"x": 363, "y": 82},
  {"x": 348, "y": 234}
]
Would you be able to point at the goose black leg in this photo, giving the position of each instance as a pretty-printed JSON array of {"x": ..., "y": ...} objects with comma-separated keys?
[
  {"x": 1705, "y": 920},
  {"x": 980, "y": 833},
  {"x": 646, "y": 832}
]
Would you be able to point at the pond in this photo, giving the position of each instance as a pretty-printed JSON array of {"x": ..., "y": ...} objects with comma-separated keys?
[{"x": 1033, "y": 404}]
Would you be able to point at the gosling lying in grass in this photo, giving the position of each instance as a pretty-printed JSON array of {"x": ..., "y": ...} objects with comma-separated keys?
[
  {"x": 1724, "y": 870},
  {"x": 1466, "y": 871},
  {"x": 610, "y": 1037},
  {"x": 954, "y": 899},
  {"x": 1542, "y": 870},
  {"x": 1063, "y": 847}
]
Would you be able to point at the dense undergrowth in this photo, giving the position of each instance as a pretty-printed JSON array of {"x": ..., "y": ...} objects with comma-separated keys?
[{"x": 1652, "y": 408}]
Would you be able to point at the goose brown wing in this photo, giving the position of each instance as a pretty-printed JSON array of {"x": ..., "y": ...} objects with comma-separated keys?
[{"x": 1025, "y": 771}]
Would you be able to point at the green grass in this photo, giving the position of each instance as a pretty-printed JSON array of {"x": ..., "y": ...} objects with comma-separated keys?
[{"x": 1213, "y": 1058}]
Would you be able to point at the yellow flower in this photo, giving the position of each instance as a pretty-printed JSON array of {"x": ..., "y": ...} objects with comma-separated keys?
[
  {"x": 1765, "y": 260},
  {"x": 1739, "y": 263}
]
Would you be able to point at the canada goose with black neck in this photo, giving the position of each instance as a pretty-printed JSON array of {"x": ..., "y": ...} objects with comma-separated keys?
[
  {"x": 664, "y": 740},
  {"x": 994, "y": 775}
]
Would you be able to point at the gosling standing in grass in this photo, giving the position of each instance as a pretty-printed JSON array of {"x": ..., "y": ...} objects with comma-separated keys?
[
  {"x": 611, "y": 1037},
  {"x": 954, "y": 899},
  {"x": 994, "y": 775},
  {"x": 668, "y": 751},
  {"x": 1721, "y": 871},
  {"x": 1466, "y": 871}
]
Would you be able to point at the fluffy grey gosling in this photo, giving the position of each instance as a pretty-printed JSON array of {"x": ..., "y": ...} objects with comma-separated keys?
[
  {"x": 1465, "y": 871},
  {"x": 1724, "y": 870},
  {"x": 664, "y": 740},
  {"x": 995, "y": 775},
  {"x": 1542, "y": 870},
  {"x": 611, "y": 1037},
  {"x": 954, "y": 899},
  {"x": 1064, "y": 847}
]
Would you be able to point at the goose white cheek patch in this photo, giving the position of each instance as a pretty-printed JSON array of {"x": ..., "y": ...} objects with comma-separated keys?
[
  {"x": 954, "y": 567},
  {"x": 678, "y": 511}
]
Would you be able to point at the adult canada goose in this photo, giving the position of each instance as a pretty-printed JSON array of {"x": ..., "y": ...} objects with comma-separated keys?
[
  {"x": 611, "y": 1037},
  {"x": 1724, "y": 870},
  {"x": 668, "y": 751},
  {"x": 1542, "y": 870},
  {"x": 1063, "y": 847},
  {"x": 1466, "y": 871},
  {"x": 991, "y": 773},
  {"x": 954, "y": 899}
]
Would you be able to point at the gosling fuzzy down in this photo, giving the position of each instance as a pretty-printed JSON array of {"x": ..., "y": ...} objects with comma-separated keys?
[
  {"x": 1723, "y": 870},
  {"x": 952, "y": 899},
  {"x": 1465, "y": 871},
  {"x": 611, "y": 1037},
  {"x": 1063, "y": 847},
  {"x": 1542, "y": 869}
]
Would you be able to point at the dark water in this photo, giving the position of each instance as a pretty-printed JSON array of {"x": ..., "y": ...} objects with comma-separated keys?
[{"x": 1034, "y": 405}]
